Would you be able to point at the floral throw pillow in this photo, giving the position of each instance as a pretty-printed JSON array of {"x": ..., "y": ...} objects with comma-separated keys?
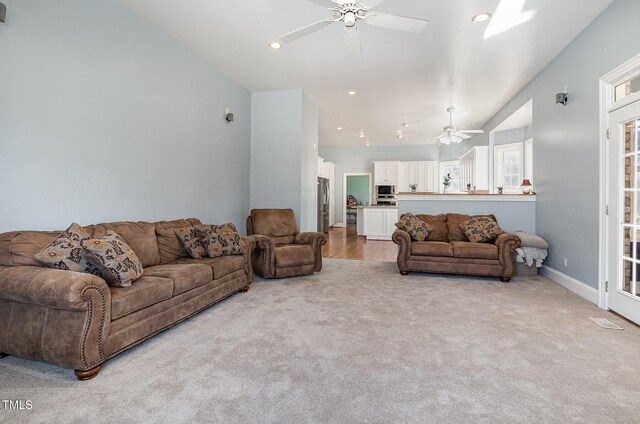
[
  {"x": 220, "y": 240},
  {"x": 190, "y": 239},
  {"x": 417, "y": 228},
  {"x": 65, "y": 252},
  {"x": 118, "y": 263},
  {"x": 480, "y": 229}
]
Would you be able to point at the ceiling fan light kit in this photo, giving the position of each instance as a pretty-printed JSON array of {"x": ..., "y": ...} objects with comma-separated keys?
[
  {"x": 451, "y": 134},
  {"x": 350, "y": 13}
]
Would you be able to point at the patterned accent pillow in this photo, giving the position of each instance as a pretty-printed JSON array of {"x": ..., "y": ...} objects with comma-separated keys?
[
  {"x": 480, "y": 229},
  {"x": 417, "y": 228},
  {"x": 190, "y": 239},
  {"x": 65, "y": 252},
  {"x": 120, "y": 266},
  {"x": 220, "y": 240}
]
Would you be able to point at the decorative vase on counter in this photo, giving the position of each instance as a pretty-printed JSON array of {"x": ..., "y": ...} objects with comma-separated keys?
[{"x": 413, "y": 191}]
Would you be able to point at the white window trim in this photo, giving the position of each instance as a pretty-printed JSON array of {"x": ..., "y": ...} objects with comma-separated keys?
[
  {"x": 498, "y": 151},
  {"x": 528, "y": 160}
]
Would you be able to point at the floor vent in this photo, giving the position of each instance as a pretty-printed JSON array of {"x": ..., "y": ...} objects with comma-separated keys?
[{"x": 605, "y": 323}]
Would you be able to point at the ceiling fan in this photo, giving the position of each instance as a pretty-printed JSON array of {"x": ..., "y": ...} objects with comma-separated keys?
[
  {"x": 351, "y": 12},
  {"x": 451, "y": 134}
]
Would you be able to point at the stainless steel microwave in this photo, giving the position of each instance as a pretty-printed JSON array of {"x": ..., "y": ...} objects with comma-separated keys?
[{"x": 385, "y": 190}]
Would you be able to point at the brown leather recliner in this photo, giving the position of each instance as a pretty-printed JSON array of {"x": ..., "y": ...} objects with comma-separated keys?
[{"x": 281, "y": 250}]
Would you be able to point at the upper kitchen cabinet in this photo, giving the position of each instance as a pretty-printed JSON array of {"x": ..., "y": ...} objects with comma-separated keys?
[
  {"x": 421, "y": 173},
  {"x": 386, "y": 173}
]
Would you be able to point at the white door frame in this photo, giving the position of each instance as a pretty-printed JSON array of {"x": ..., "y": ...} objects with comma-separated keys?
[
  {"x": 344, "y": 191},
  {"x": 608, "y": 83}
]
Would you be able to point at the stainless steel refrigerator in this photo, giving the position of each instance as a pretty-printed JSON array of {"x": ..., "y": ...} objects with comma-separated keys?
[{"x": 323, "y": 205}]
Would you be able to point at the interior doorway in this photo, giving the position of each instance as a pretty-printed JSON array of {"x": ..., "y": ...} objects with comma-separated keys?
[
  {"x": 361, "y": 184},
  {"x": 620, "y": 191}
]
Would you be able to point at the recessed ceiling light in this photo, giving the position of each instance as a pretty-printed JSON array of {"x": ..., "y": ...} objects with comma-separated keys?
[
  {"x": 367, "y": 143},
  {"x": 352, "y": 93},
  {"x": 361, "y": 134},
  {"x": 339, "y": 128},
  {"x": 275, "y": 45},
  {"x": 481, "y": 17},
  {"x": 405, "y": 124}
]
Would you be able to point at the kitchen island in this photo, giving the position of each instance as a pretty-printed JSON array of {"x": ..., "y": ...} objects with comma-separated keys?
[{"x": 376, "y": 222}]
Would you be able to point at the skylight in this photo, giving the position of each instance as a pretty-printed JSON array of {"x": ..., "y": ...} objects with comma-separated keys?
[{"x": 508, "y": 15}]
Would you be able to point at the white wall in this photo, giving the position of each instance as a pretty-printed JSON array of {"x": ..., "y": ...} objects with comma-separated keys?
[
  {"x": 284, "y": 128},
  {"x": 566, "y": 152},
  {"x": 104, "y": 118}
]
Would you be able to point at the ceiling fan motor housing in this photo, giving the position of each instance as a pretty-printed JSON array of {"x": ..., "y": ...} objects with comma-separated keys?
[{"x": 350, "y": 13}]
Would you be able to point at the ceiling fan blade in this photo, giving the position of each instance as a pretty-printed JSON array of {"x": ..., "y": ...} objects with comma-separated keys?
[
  {"x": 309, "y": 29},
  {"x": 400, "y": 23},
  {"x": 472, "y": 131},
  {"x": 441, "y": 136},
  {"x": 461, "y": 135},
  {"x": 352, "y": 41},
  {"x": 326, "y": 3}
]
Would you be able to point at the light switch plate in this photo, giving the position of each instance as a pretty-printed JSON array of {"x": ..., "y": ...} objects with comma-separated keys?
[{"x": 3, "y": 12}]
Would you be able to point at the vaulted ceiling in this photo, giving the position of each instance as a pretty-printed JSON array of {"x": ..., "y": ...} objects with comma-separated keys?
[{"x": 400, "y": 76}]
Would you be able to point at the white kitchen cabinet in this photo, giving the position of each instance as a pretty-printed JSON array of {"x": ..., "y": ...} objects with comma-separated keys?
[
  {"x": 320, "y": 166},
  {"x": 422, "y": 173},
  {"x": 474, "y": 168},
  {"x": 379, "y": 223},
  {"x": 386, "y": 173}
]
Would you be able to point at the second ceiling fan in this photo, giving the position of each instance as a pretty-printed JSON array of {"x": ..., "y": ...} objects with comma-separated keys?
[{"x": 350, "y": 13}]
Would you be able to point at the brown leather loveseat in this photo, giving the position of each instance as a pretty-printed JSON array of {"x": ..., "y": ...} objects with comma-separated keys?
[
  {"x": 75, "y": 320},
  {"x": 281, "y": 250},
  {"x": 447, "y": 250}
]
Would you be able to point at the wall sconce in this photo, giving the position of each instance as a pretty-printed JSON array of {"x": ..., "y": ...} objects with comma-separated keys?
[
  {"x": 563, "y": 97},
  {"x": 228, "y": 116},
  {"x": 3, "y": 12}
]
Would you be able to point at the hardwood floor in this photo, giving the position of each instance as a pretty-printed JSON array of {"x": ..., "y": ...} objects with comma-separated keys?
[{"x": 343, "y": 243}]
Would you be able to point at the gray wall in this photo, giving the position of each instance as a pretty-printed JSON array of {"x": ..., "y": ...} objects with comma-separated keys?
[
  {"x": 103, "y": 118},
  {"x": 284, "y": 129},
  {"x": 509, "y": 136},
  {"x": 360, "y": 159},
  {"x": 512, "y": 216},
  {"x": 566, "y": 154}
]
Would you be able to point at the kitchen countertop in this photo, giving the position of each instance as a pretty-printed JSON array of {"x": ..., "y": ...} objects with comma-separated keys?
[{"x": 374, "y": 207}]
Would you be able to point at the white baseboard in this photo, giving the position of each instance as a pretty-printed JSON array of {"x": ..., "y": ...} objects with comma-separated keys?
[
  {"x": 339, "y": 225},
  {"x": 570, "y": 283}
]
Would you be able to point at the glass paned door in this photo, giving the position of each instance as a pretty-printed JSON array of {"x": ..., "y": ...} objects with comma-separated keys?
[{"x": 624, "y": 208}]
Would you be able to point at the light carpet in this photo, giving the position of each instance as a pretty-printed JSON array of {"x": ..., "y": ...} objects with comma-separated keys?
[{"x": 359, "y": 343}]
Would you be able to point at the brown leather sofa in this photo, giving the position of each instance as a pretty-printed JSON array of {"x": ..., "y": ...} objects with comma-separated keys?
[
  {"x": 75, "y": 320},
  {"x": 281, "y": 250},
  {"x": 447, "y": 250}
]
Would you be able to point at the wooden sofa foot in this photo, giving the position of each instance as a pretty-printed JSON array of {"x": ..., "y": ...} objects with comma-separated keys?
[
  {"x": 505, "y": 279},
  {"x": 87, "y": 375},
  {"x": 3, "y": 355},
  {"x": 403, "y": 273},
  {"x": 244, "y": 289}
]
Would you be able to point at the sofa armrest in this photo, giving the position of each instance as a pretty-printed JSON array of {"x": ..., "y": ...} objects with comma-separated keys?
[
  {"x": 249, "y": 244},
  {"x": 264, "y": 256},
  {"x": 403, "y": 240},
  {"x": 315, "y": 240},
  {"x": 506, "y": 243},
  {"x": 51, "y": 288},
  {"x": 55, "y": 316}
]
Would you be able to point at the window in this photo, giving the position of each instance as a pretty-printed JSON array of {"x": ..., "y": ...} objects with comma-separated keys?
[
  {"x": 451, "y": 168},
  {"x": 509, "y": 166},
  {"x": 627, "y": 88}
]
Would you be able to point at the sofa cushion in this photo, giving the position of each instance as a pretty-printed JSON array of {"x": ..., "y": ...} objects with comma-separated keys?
[
  {"x": 431, "y": 248},
  {"x": 439, "y": 225},
  {"x": 481, "y": 229},
  {"x": 466, "y": 249},
  {"x": 283, "y": 240},
  {"x": 294, "y": 255},
  {"x": 418, "y": 229},
  {"x": 169, "y": 245},
  {"x": 221, "y": 266},
  {"x": 17, "y": 248},
  {"x": 66, "y": 252},
  {"x": 184, "y": 276},
  {"x": 220, "y": 240},
  {"x": 116, "y": 261},
  {"x": 145, "y": 292},
  {"x": 190, "y": 239},
  {"x": 453, "y": 224},
  {"x": 140, "y": 236},
  {"x": 274, "y": 222}
]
